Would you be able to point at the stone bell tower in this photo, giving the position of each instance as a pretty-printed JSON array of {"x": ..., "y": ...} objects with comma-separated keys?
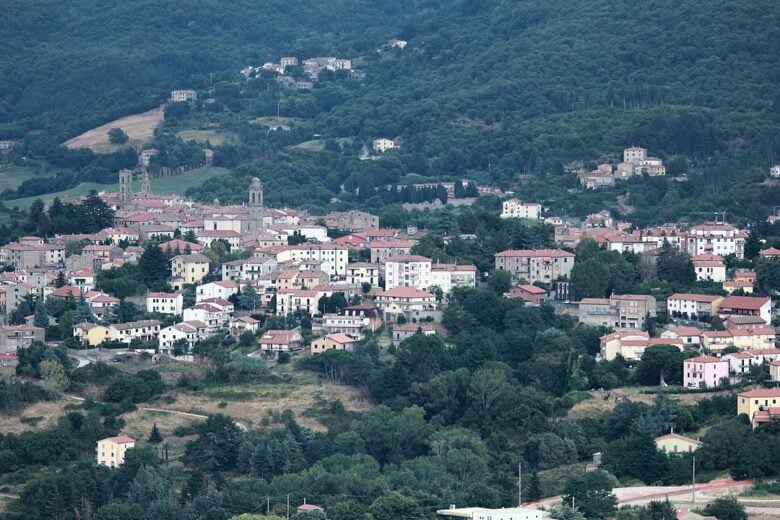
[
  {"x": 125, "y": 187},
  {"x": 146, "y": 183},
  {"x": 256, "y": 202}
]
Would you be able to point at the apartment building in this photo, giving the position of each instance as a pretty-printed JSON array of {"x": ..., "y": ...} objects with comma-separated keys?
[
  {"x": 619, "y": 311},
  {"x": 408, "y": 271},
  {"x": 691, "y": 306},
  {"x": 536, "y": 265},
  {"x": 165, "y": 303},
  {"x": 514, "y": 208}
]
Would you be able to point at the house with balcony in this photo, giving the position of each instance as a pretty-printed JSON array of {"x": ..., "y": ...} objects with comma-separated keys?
[
  {"x": 709, "y": 268},
  {"x": 536, "y": 265},
  {"x": 619, "y": 311},
  {"x": 761, "y": 405},
  {"x": 747, "y": 306},
  {"x": 705, "y": 372},
  {"x": 165, "y": 303},
  {"x": 275, "y": 341},
  {"x": 694, "y": 307}
]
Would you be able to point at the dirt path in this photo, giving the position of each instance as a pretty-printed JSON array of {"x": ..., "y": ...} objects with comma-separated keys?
[{"x": 240, "y": 426}]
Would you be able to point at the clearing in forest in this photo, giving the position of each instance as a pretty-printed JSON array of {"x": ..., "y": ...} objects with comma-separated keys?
[{"x": 138, "y": 127}]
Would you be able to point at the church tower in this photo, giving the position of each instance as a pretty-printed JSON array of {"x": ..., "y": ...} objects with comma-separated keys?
[
  {"x": 146, "y": 183},
  {"x": 125, "y": 187},
  {"x": 256, "y": 201}
]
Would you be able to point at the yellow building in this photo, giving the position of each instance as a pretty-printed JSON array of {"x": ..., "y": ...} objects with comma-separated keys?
[
  {"x": 754, "y": 401},
  {"x": 111, "y": 451},
  {"x": 674, "y": 443},
  {"x": 337, "y": 341},
  {"x": 91, "y": 333},
  {"x": 188, "y": 269},
  {"x": 733, "y": 285}
]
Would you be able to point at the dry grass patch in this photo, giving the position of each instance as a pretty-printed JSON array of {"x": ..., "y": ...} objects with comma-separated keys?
[
  {"x": 138, "y": 127},
  {"x": 138, "y": 425},
  {"x": 201, "y": 136},
  {"x": 38, "y": 416},
  {"x": 254, "y": 402},
  {"x": 594, "y": 407}
]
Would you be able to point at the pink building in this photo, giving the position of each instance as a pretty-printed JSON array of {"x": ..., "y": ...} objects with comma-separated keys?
[{"x": 704, "y": 371}]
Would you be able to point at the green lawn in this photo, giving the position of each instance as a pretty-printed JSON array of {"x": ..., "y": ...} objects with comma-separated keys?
[
  {"x": 214, "y": 137},
  {"x": 274, "y": 121},
  {"x": 11, "y": 176},
  {"x": 317, "y": 145},
  {"x": 163, "y": 186}
]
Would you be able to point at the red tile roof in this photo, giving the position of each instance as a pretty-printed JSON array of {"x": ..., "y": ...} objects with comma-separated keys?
[
  {"x": 761, "y": 392},
  {"x": 743, "y": 302},
  {"x": 120, "y": 439},
  {"x": 536, "y": 253},
  {"x": 704, "y": 359}
]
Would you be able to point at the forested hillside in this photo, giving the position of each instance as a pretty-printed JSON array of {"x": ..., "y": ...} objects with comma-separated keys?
[
  {"x": 68, "y": 66},
  {"x": 487, "y": 89}
]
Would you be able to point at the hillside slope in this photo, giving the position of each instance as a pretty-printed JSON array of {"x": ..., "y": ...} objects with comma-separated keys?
[
  {"x": 82, "y": 63},
  {"x": 486, "y": 88}
]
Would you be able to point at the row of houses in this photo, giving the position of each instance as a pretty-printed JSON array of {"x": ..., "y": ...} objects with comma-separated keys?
[
  {"x": 635, "y": 162},
  {"x": 630, "y": 345},
  {"x": 716, "y": 239}
]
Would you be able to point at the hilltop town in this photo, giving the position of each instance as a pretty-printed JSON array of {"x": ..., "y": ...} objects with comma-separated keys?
[{"x": 402, "y": 260}]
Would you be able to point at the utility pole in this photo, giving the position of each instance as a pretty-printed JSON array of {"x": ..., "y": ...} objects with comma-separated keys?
[
  {"x": 693, "y": 480},
  {"x": 288, "y": 507},
  {"x": 520, "y": 484},
  {"x": 267, "y": 505}
]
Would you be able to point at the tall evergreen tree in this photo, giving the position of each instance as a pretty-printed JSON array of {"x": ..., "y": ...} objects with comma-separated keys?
[
  {"x": 154, "y": 267},
  {"x": 60, "y": 281},
  {"x": 83, "y": 313},
  {"x": 41, "y": 319},
  {"x": 155, "y": 437}
]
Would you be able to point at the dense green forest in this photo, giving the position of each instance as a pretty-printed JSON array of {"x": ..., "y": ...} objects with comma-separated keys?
[{"x": 486, "y": 89}]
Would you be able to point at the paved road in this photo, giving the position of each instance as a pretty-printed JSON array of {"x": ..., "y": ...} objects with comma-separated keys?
[
  {"x": 646, "y": 494},
  {"x": 642, "y": 494}
]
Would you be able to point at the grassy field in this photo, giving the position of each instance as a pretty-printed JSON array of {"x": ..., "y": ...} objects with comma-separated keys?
[
  {"x": 163, "y": 186},
  {"x": 317, "y": 145},
  {"x": 11, "y": 176},
  {"x": 201, "y": 136},
  {"x": 138, "y": 127},
  {"x": 274, "y": 121}
]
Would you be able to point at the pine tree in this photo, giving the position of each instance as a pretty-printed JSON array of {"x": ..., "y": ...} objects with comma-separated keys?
[
  {"x": 248, "y": 299},
  {"x": 460, "y": 191},
  {"x": 41, "y": 319},
  {"x": 109, "y": 316},
  {"x": 60, "y": 281},
  {"x": 534, "y": 491},
  {"x": 153, "y": 266},
  {"x": 155, "y": 437},
  {"x": 83, "y": 313}
]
